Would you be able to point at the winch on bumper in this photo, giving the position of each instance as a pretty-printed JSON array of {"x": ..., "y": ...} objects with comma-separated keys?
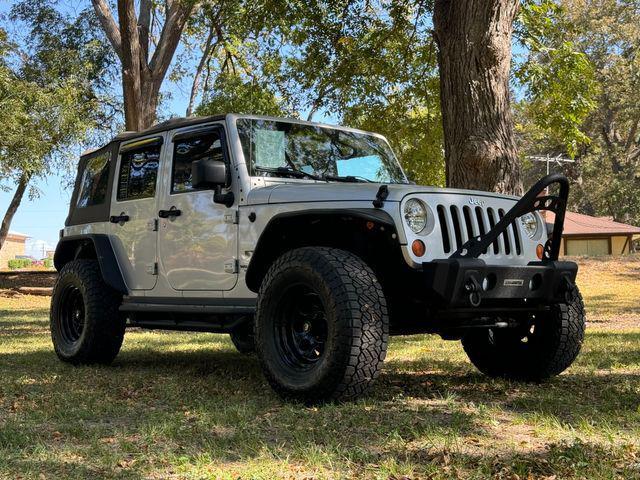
[{"x": 470, "y": 282}]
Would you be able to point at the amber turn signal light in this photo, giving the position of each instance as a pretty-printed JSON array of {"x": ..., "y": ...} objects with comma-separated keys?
[
  {"x": 540, "y": 251},
  {"x": 418, "y": 248}
]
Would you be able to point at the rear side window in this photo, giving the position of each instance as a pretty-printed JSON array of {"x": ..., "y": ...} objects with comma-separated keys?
[
  {"x": 189, "y": 149},
  {"x": 138, "y": 173},
  {"x": 94, "y": 180}
]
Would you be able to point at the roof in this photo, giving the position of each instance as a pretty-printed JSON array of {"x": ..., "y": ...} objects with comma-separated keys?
[
  {"x": 577, "y": 224},
  {"x": 170, "y": 124},
  {"x": 17, "y": 236}
]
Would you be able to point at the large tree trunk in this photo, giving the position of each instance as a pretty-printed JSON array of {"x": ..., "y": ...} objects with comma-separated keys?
[
  {"x": 13, "y": 207},
  {"x": 142, "y": 76},
  {"x": 474, "y": 57}
]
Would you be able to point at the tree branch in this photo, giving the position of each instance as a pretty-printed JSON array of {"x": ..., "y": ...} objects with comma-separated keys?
[
  {"x": 631, "y": 138},
  {"x": 177, "y": 15},
  {"x": 103, "y": 12},
  {"x": 144, "y": 26},
  {"x": 206, "y": 54}
]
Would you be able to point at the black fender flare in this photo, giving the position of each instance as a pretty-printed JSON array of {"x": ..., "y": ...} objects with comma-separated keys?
[
  {"x": 69, "y": 248},
  {"x": 368, "y": 214}
]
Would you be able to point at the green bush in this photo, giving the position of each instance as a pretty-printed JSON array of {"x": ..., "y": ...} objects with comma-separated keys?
[
  {"x": 18, "y": 263},
  {"x": 48, "y": 262}
]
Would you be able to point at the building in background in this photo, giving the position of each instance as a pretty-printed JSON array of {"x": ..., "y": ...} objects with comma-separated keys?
[
  {"x": 595, "y": 236},
  {"x": 14, "y": 246}
]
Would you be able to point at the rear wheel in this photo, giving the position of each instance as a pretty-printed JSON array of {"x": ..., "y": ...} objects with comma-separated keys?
[
  {"x": 321, "y": 325},
  {"x": 242, "y": 338},
  {"x": 86, "y": 326},
  {"x": 543, "y": 347}
]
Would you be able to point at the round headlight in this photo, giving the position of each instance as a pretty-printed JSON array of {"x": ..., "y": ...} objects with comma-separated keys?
[
  {"x": 415, "y": 214},
  {"x": 529, "y": 223}
]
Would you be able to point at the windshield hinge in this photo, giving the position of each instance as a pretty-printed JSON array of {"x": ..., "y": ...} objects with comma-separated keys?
[
  {"x": 381, "y": 196},
  {"x": 231, "y": 217}
]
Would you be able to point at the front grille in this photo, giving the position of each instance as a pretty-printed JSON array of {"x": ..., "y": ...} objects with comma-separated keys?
[{"x": 458, "y": 224}]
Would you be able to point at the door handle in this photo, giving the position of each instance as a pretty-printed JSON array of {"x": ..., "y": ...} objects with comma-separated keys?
[
  {"x": 172, "y": 212},
  {"x": 122, "y": 218}
]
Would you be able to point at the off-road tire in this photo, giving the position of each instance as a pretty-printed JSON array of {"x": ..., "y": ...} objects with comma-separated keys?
[
  {"x": 100, "y": 337},
  {"x": 357, "y": 325},
  {"x": 242, "y": 338},
  {"x": 549, "y": 350}
]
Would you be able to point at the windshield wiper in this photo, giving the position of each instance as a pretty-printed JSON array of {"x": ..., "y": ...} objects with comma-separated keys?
[
  {"x": 290, "y": 171},
  {"x": 347, "y": 178}
]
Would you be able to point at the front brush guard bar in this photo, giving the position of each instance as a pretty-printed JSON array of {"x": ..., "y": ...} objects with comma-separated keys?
[{"x": 530, "y": 202}]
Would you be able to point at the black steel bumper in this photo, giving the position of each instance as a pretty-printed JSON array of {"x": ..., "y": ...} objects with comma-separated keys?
[{"x": 471, "y": 283}]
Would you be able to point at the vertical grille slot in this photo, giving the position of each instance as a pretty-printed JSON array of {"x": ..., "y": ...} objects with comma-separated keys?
[
  {"x": 456, "y": 225},
  {"x": 505, "y": 236},
  {"x": 492, "y": 223},
  {"x": 446, "y": 244},
  {"x": 516, "y": 237},
  {"x": 481, "y": 225},
  {"x": 471, "y": 232}
]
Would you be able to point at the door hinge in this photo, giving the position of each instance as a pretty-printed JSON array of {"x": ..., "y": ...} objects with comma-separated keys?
[
  {"x": 153, "y": 225},
  {"x": 231, "y": 217},
  {"x": 152, "y": 268},
  {"x": 231, "y": 266}
]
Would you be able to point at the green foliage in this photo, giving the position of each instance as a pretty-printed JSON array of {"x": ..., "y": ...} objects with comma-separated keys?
[
  {"x": 49, "y": 90},
  {"x": 559, "y": 80},
  {"x": 232, "y": 94},
  {"x": 19, "y": 263},
  {"x": 582, "y": 84},
  {"x": 366, "y": 65}
]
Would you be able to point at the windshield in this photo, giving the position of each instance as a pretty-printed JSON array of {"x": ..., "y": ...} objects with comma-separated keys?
[{"x": 281, "y": 148}]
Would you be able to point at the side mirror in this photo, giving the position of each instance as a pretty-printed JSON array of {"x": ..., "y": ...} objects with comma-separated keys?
[{"x": 207, "y": 173}]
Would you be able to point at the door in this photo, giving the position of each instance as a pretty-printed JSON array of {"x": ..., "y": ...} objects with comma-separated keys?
[
  {"x": 133, "y": 212},
  {"x": 197, "y": 237}
]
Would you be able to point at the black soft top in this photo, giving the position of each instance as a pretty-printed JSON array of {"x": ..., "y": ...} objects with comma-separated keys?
[{"x": 171, "y": 124}]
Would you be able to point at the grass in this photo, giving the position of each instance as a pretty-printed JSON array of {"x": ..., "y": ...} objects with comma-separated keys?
[{"x": 177, "y": 405}]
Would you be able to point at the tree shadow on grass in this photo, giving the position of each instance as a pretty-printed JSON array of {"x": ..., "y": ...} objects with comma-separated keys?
[{"x": 216, "y": 402}]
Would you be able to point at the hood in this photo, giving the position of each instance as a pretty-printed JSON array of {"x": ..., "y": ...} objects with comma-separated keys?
[{"x": 338, "y": 191}]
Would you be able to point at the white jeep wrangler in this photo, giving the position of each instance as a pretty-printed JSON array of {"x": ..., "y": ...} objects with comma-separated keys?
[{"x": 309, "y": 246}]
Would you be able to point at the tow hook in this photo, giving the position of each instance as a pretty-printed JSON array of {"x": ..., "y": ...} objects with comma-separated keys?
[{"x": 473, "y": 287}]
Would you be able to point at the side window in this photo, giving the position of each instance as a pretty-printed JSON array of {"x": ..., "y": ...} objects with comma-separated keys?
[
  {"x": 138, "y": 173},
  {"x": 189, "y": 149},
  {"x": 94, "y": 180}
]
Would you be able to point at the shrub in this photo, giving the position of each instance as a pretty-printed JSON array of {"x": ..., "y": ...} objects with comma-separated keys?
[{"x": 18, "y": 263}]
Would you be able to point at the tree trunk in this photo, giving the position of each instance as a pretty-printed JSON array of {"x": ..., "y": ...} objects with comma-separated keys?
[
  {"x": 474, "y": 58},
  {"x": 130, "y": 37},
  {"x": 13, "y": 207}
]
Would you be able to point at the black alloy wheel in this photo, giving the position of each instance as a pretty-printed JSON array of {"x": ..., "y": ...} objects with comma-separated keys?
[
  {"x": 301, "y": 326},
  {"x": 71, "y": 314}
]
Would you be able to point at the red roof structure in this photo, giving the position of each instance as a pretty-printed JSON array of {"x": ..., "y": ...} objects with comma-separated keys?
[{"x": 579, "y": 224}]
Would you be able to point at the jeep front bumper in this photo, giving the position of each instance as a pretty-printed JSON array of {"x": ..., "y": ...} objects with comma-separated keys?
[{"x": 461, "y": 283}]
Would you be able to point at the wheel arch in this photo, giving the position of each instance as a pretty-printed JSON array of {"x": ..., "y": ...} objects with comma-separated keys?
[
  {"x": 91, "y": 246},
  {"x": 361, "y": 231}
]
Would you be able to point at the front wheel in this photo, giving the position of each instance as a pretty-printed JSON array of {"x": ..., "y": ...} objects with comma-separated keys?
[
  {"x": 545, "y": 346},
  {"x": 322, "y": 326}
]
